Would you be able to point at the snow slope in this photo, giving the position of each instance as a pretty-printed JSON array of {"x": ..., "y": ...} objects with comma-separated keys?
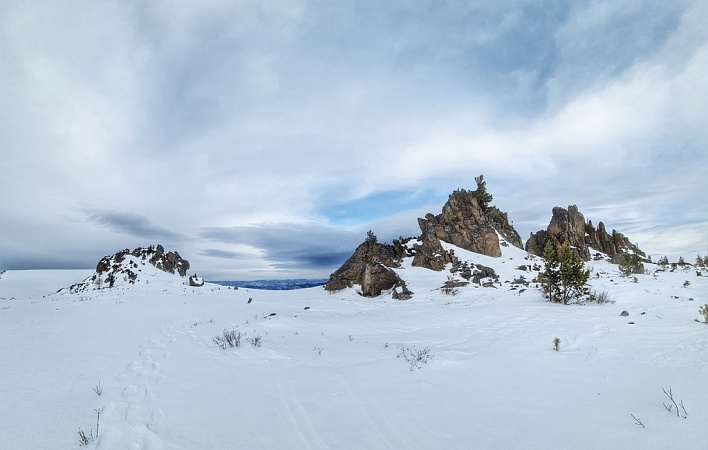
[{"x": 327, "y": 373}]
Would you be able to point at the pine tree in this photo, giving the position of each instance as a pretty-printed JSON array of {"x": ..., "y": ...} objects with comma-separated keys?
[
  {"x": 483, "y": 197},
  {"x": 629, "y": 263},
  {"x": 564, "y": 276},
  {"x": 573, "y": 275},
  {"x": 550, "y": 277}
]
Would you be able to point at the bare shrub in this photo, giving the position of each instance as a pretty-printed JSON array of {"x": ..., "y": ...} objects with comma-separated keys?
[
  {"x": 256, "y": 341},
  {"x": 680, "y": 409},
  {"x": 415, "y": 357},
  {"x": 229, "y": 338},
  {"x": 600, "y": 298},
  {"x": 83, "y": 439}
]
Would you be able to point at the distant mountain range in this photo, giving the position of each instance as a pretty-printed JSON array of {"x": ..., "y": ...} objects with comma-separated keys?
[{"x": 274, "y": 285}]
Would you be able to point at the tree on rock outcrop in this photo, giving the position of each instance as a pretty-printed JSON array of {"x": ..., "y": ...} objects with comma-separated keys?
[{"x": 484, "y": 198}]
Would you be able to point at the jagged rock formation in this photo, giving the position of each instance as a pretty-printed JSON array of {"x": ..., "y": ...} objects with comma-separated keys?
[
  {"x": 125, "y": 266},
  {"x": 465, "y": 224},
  {"x": 568, "y": 226},
  {"x": 369, "y": 267}
]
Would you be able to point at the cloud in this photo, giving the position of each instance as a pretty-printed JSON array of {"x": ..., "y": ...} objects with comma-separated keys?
[
  {"x": 211, "y": 119},
  {"x": 303, "y": 245},
  {"x": 134, "y": 225},
  {"x": 216, "y": 253}
]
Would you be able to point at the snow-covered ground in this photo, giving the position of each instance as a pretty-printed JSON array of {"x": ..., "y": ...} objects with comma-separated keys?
[{"x": 327, "y": 375}]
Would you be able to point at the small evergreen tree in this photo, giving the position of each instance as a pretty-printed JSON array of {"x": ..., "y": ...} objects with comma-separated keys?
[
  {"x": 564, "y": 276},
  {"x": 704, "y": 312},
  {"x": 371, "y": 237},
  {"x": 663, "y": 262},
  {"x": 550, "y": 277},
  {"x": 483, "y": 197},
  {"x": 629, "y": 263},
  {"x": 573, "y": 275},
  {"x": 617, "y": 239}
]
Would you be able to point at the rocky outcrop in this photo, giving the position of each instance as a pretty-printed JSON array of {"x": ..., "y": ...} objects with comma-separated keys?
[
  {"x": 568, "y": 226},
  {"x": 599, "y": 239},
  {"x": 169, "y": 262},
  {"x": 430, "y": 253},
  {"x": 370, "y": 268},
  {"x": 465, "y": 224},
  {"x": 124, "y": 267}
]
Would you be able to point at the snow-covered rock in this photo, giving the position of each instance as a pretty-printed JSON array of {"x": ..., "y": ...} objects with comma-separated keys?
[{"x": 139, "y": 266}]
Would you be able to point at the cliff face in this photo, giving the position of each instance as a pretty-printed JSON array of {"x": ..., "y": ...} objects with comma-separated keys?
[
  {"x": 568, "y": 226},
  {"x": 465, "y": 224}
]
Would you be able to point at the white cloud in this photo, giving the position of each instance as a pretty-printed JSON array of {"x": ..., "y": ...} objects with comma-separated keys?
[{"x": 224, "y": 115}]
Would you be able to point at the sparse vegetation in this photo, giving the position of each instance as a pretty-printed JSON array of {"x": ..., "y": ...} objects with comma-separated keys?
[
  {"x": 83, "y": 439},
  {"x": 229, "y": 338},
  {"x": 629, "y": 263},
  {"x": 704, "y": 312},
  {"x": 98, "y": 418},
  {"x": 637, "y": 421},
  {"x": 415, "y": 357},
  {"x": 98, "y": 389},
  {"x": 679, "y": 408},
  {"x": 686, "y": 283},
  {"x": 600, "y": 298},
  {"x": 556, "y": 344}
]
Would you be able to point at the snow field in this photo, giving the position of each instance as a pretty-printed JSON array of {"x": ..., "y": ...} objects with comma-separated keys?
[{"x": 329, "y": 376}]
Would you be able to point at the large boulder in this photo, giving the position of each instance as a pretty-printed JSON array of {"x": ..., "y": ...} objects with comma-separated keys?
[{"x": 370, "y": 268}]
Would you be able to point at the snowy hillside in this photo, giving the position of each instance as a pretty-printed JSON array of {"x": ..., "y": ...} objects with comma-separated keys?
[{"x": 459, "y": 368}]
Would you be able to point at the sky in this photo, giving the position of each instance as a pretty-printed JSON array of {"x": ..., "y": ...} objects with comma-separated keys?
[{"x": 262, "y": 139}]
